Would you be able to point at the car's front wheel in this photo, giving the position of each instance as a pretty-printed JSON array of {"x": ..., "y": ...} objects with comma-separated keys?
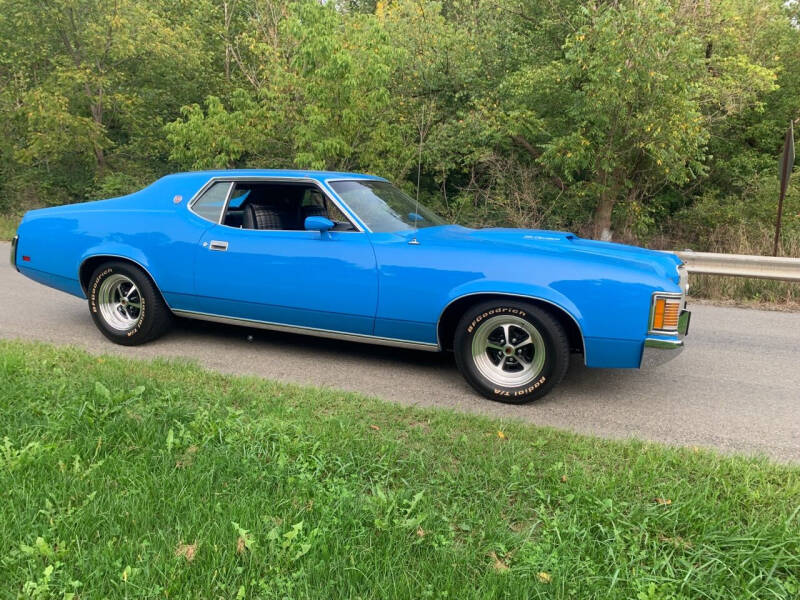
[
  {"x": 125, "y": 305},
  {"x": 511, "y": 352}
]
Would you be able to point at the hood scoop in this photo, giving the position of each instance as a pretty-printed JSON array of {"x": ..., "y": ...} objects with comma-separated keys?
[
  {"x": 531, "y": 238},
  {"x": 548, "y": 236}
]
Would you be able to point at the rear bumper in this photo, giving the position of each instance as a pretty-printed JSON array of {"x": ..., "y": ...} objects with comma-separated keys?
[
  {"x": 660, "y": 349},
  {"x": 14, "y": 242}
]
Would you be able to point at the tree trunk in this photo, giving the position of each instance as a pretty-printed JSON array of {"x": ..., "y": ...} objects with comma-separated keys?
[
  {"x": 602, "y": 217},
  {"x": 97, "y": 115},
  {"x": 101, "y": 160},
  {"x": 605, "y": 205},
  {"x": 228, "y": 8}
]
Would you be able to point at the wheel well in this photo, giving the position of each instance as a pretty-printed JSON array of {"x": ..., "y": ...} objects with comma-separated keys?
[
  {"x": 452, "y": 313},
  {"x": 90, "y": 264}
]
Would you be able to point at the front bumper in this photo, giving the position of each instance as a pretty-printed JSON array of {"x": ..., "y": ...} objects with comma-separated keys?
[{"x": 660, "y": 349}]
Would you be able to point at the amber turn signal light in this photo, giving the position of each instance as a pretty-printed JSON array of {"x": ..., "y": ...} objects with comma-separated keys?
[{"x": 666, "y": 312}]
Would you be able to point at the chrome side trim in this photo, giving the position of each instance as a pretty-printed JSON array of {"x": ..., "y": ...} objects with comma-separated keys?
[
  {"x": 325, "y": 333},
  {"x": 354, "y": 220},
  {"x": 522, "y": 296},
  {"x": 14, "y": 242}
]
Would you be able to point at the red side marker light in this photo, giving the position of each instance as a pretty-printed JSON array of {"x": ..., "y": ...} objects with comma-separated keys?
[{"x": 26, "y": 258}]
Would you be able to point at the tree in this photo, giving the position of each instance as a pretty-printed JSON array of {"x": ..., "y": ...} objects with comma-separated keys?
[
  {"x": 312, "y": 89},
  {"x": 602, "y": 116},
  {"x": 627, "y": 109},
  {"x": 94, "y": 76}
]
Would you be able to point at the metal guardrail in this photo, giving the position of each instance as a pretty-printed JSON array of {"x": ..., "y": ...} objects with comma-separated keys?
[{"x": 741, "y": 265}]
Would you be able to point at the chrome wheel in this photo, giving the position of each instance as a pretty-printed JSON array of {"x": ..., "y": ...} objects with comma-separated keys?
[
  {"x": 508, "y": 351},
  {"x": 120, "y": 302}
]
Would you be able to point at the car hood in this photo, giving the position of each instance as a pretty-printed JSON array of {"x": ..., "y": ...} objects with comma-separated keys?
[{"x": 538, "y": 241}]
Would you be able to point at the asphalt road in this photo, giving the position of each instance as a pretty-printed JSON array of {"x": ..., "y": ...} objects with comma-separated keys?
[{"x": 736, "y": 387}]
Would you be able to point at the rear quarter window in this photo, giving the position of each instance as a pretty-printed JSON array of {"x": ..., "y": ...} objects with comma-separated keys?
[{"x": 210, "y": 204}]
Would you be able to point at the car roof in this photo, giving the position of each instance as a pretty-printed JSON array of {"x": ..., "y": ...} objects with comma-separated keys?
[{"x": 287, "y": 173}]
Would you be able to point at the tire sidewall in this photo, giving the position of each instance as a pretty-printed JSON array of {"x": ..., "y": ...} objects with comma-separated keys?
[
  {"x": 466, "y": 330},
  {"x": 139, "y": 330}
]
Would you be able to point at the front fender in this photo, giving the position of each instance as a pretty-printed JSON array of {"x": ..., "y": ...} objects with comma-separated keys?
[
  {"x": 532, "y": 291},
  {"x": 610, "y": 315}
]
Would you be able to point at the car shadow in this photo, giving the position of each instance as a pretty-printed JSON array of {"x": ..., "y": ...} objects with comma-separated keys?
[
  {"x": 439, "y": 367},
  {"x": 319, "y": 345}
]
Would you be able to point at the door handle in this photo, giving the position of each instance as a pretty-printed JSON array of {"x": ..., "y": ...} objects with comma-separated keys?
[{"x": 217, "y": 245}]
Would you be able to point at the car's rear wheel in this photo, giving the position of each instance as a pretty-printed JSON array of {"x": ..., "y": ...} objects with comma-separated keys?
[
  {"x": 511, "y": 352},
  {"x": 125, "y": 305}
]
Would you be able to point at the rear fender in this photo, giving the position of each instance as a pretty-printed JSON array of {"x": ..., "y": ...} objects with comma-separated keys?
[{"x": 120, "y": 251}]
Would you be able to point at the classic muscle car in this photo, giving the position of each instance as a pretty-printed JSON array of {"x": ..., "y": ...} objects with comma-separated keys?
[{"x": 350, "y": 256}]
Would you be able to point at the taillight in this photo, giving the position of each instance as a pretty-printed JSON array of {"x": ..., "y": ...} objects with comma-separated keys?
[{"x": 665, "y": 313}]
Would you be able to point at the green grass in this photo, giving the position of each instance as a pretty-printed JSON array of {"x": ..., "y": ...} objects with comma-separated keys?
[
  {"x": 107, "y": 466},
  {"x": 8, "y": 226}
]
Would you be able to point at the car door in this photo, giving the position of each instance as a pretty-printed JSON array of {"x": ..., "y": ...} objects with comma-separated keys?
[{"x": 304, "y": 279}]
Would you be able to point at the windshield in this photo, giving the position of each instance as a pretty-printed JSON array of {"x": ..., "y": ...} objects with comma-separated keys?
[{"x": 383, "y": 207}]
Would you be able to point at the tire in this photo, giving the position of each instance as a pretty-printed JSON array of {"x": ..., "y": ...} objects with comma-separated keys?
[
  {"x": 125, "y": 304},
  {"x": 517, "y": 370}
]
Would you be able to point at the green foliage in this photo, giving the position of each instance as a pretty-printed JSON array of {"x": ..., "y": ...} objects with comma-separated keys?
[
  {"x": 752, "y": 208},
  {"x": 627, "y": 109},
  {"x": 131, "y": 479},
  {"x": 8, "y": 226},
  {"x": 591, "y": 116},
  {"x": 91, "y": 85}
]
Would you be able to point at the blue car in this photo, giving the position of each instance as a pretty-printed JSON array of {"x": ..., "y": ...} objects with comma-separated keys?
[{"x": 352, "y": 257}]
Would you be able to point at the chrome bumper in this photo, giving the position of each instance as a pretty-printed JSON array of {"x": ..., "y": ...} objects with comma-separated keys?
[
  {"x": 14, "y": 242},
  {"x": 662, "y": 349}
]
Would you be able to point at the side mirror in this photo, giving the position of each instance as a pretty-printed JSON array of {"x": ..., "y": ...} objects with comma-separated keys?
[
  {"x": 415, "y": 217},
  {"x": 320, "y": 224}
]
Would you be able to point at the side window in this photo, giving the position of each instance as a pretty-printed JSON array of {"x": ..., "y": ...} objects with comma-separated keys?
[
  {"x": 238, "y": 198},
  {"x": 315, "y": 203},
  {"x": 210, "y": 204},
  {"x": 338, "y": 217},
  {"x": 280, "y": 205}
]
